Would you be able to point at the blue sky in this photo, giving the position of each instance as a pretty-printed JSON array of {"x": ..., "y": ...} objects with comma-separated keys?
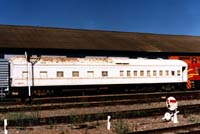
[{"x": 148, "y": 16}]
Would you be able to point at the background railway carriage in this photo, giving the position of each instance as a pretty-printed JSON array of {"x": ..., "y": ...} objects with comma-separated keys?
[
  {"x": 4, "y": 76},
  {"x": 95, "y": 73},
  {"x": 193, "y": 70}
]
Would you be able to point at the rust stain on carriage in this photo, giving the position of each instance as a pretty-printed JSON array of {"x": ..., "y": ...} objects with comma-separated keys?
[
  {"x": 65, "y": 59},
  {"x": 58, "y": 59},
  {"x": 62, "y": 59}
]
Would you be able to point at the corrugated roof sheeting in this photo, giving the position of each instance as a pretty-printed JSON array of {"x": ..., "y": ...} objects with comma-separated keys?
[{"x": 58, "y": 38}]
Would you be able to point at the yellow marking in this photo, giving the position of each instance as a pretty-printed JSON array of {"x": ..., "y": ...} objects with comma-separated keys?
[{"x": 191, "y": 69}]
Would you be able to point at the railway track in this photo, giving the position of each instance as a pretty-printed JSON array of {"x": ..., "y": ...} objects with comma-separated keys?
[
  {"x": 95, "y": 101},
  {"x": 185, "y": 129},
  {"x": 105, "y": 100},
  {"x": 100, "y": 116},
  {"x": 67, "y": 106},
  {"x": 140, "y": 97}
]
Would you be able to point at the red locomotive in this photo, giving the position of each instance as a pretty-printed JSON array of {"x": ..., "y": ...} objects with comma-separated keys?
[{"x": 193, "y": 70}]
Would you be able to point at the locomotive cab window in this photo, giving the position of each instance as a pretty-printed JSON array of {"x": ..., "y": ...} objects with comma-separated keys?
[
  {"x": 60, "y": 74},
  {"x": 104, "y": 73},
  {"x": 75, "y": 73}
]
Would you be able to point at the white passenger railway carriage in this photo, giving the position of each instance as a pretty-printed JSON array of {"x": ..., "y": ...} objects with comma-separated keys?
[{"x": 62, "y": 71}]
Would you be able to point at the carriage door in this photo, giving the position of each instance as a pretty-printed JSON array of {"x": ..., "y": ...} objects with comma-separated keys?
[{"x": 184, "y": 74}]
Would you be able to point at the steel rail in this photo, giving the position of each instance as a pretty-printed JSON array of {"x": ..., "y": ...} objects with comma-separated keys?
[
  {"x": 188, "y": 129},
  {"x": 99, "y": 116}
]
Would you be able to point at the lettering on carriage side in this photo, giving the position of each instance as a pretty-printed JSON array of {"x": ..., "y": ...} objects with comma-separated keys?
[{"x": 195, "y": 60}]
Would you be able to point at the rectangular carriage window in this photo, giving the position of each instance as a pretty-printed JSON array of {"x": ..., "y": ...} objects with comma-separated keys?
[
  {"x": 154, "y": 73},
  {"x": 104, "y": 73},
  {"x": 121, "y": 73},
  {"x": 60, "y": 74},
  {"x": 160, "y": 73},
  {"x": 24, "y": 74},
  {"x": 141, "y": 73},
  {"x": 90, "y": 73},
  {"x": 134, "y": 73},
  {"x": 128, "y": 73},
  {"x": 75, "y": 73},
  {"x": 43, "y": 74},
  {"x": 148, "y": 73},
  {"x": 178, "y": 73},
  {"x": 173, "y": 73},
  {"x": 166, "y": 72}
]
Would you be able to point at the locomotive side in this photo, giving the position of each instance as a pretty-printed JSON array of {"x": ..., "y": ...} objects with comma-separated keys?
[
  {"x": 193, "y": 70},
  {"x": 80, "y": 73}
]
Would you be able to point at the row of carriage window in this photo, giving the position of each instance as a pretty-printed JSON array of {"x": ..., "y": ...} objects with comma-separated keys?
[
  {"x": 122, "y": 73},
  {"x": 150, "y": 73}
]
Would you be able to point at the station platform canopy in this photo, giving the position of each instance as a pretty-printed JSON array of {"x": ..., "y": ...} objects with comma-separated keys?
[{"x": 21, "y": 38}]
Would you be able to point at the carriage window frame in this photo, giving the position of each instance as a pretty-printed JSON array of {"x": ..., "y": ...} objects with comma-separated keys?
[
  {"x": 43, "y": 74},
  {"x": 24, "y": 74},
  {"x": 166, "y": 72},
  {"x": 60, "y": 74},
  {"x": 148, "y": 73},
  {"x": 104, "y": 73},
  {"x": 128, "y": 73},
  {"x": 75, "y": 73},
  {"x": 178, "y": 72},
  {"x": 142, "y": 73},
  {"x": 160, "y": 72},
  {"x": 135, "y": 73},
  {"x": 121, "y": 73},
  {"x": 154, "y": 73},
  {"x": 172, "y": 73},
  {"x": 90, "y": 74}
]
